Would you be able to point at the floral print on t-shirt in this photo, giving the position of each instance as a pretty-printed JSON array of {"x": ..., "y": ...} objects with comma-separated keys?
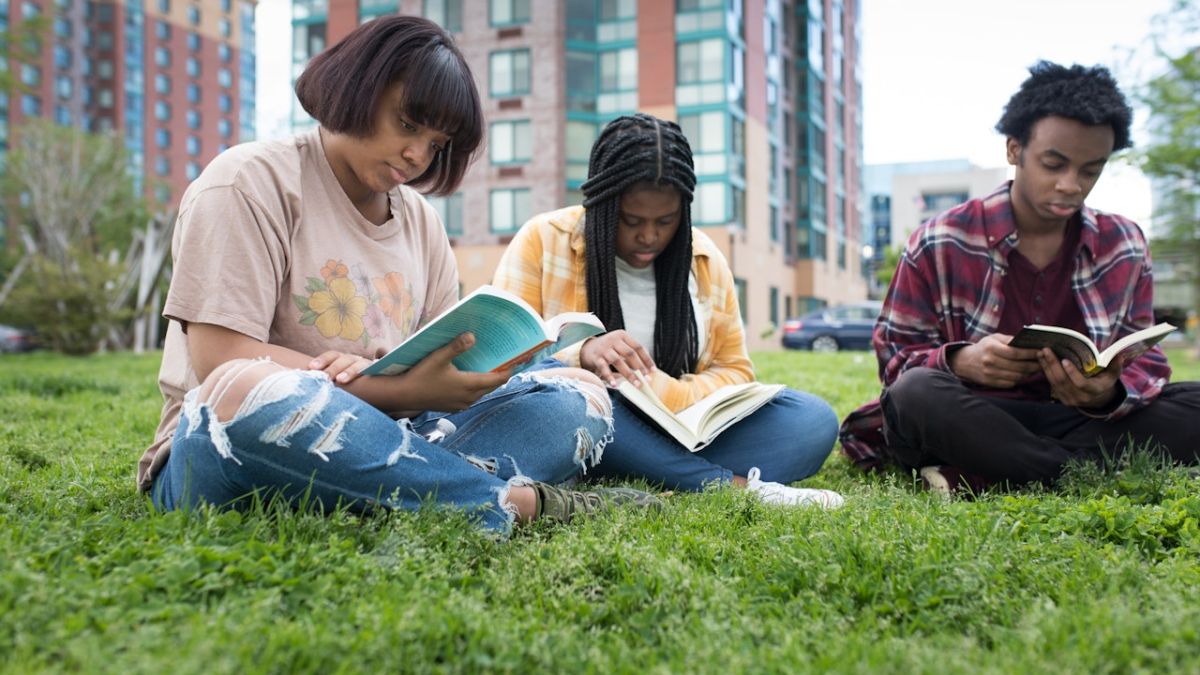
[{"x": 355, "y": 306}]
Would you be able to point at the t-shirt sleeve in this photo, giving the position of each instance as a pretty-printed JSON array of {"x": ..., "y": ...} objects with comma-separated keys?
[
  {"x": 230, "y": 260},
  {"x": 441, "y": 264}
]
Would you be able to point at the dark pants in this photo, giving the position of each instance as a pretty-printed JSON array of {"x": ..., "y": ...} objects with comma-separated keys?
[{"x": 931, "y": 417}]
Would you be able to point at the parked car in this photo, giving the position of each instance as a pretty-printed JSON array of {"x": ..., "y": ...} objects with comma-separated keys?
[
  {"x": 15, "y": 340},
  {"x": 834, "y": 328}
]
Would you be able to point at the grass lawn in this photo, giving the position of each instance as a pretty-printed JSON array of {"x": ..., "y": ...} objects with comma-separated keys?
[{"x": 1101, "y": 576}]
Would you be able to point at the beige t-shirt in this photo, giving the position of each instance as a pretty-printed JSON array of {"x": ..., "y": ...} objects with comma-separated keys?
[{"x": 267, "y": 244}]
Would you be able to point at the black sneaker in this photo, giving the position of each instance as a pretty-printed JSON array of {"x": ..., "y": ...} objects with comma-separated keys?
[{"x": 565, "y": 505}]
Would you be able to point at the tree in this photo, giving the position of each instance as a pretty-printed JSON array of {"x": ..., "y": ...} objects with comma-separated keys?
[
  {"x": 1172, "y": 156},
  {"x": 887, "y": 269},
  {"x": 76, "y": 207}
]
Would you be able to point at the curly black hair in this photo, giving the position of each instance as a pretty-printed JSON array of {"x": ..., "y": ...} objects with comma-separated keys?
[{"x": 1087, "y": 95}]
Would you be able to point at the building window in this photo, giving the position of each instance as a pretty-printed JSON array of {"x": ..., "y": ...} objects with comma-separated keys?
[
  {"x": 106, "y": 98},
  {"x": 162, "y": 84},
  {"x": 509, "y": 12},
  {"x": 701, "y": 61},
  {"x": 31, "y": 75},
  {"x": 224, "y": 77},
  {"x": 162, "y": 57},
  {"x": 62, "y": 27},
  {"x": 224, "y": 127},
  {"x": 509, "y": 209},
  {"x": 224, "y": 52},
  {"x": 308, "y": 40},
  {"x": 226, "y": 5},
  {"x": 193, "y": 42},
  {"x": 709, "y": 137},
  {"x": 193, "y": 93},
  {"x": 773, "y": 299},
  {"x": 62, "y": 57},
  {"x": 225, "y": 27},
  {"x": 445, "y": 13},
  {"x": 162, "y": 111},
  {"x": 162, "y": 138},
  {"x": 104, "y": 40},
  {"x": 510, "y": 142},
  {"x": 580, "y": 137},
  {"x": 104, "y": 68},
  {"x": 711, "y": 203},
  {"x": 164, "y": 6},
  {"x": 64, "y": 86},
  {"x": 193, "y": 66},
  {"x": 29, "y": 10},
  {"x": 162, "y": 30},
  {"x": 162, "y": 165},
  {"x": 451, "y": 210},
  {"x": 509, "y": 73},
  {"x": 700, "y": 72},
  {"x": 193, "y": 170},
  {"x": 193, "y": 15},
  {"x": 31, "y": 106},
  {"x": 193, "y": 145},
  {"x": 193, "y": 119},
  {"x": 618, "y": 81},
  {"x": 224, "y": 103}
]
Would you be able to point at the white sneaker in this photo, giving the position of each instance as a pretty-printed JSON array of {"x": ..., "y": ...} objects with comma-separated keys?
[{"x": 777, "y": 493}]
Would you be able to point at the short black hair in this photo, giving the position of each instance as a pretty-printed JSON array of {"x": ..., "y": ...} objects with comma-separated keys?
[
  {"x": 343, "y": 87},
  {"x": 636, "y": 151},
  {"x": 1087, "y": 95}
]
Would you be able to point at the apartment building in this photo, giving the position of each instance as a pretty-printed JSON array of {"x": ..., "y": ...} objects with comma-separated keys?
[
  {"x": 767, "y": 91},
  {"x": 174, "y": 78}
]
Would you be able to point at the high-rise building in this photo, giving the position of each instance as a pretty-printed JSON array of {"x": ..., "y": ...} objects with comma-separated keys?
[
  {"x": 767, "y": 91},
  {"x": 175, "y": 78}
]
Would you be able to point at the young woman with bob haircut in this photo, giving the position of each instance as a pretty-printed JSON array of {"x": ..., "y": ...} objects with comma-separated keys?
[{"x": 297, "y": 261}]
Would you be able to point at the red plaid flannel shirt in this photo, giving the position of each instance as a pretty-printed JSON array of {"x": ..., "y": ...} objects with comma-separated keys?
[{"x": 948, "y": 292}]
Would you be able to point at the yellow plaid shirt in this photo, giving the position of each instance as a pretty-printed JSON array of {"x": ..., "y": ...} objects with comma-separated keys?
[{"x": 544, "y": 265}]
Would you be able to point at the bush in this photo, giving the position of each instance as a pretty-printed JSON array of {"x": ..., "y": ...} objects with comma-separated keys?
[{"x": 69, "y": 309}]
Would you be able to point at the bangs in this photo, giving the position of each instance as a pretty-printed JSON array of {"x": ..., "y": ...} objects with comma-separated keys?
[{"x": 443, "y": 98}]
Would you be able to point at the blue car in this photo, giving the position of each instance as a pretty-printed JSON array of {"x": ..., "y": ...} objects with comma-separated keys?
[{"x": 834, "y": 328}]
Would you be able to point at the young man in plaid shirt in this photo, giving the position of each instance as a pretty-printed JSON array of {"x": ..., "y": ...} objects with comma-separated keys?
[{"x": 962, "y": 406}]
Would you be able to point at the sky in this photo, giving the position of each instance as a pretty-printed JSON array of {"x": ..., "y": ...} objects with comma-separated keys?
[{"x": 936, "y": 75}]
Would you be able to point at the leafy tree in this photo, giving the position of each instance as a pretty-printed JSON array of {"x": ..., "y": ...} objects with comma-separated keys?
[
  {"x": 887, "y": 269},
  {"x": 1172, "y": 156},
  {"x": 71, "y": 196}
]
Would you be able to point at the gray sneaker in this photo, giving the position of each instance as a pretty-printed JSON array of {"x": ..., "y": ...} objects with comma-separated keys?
[{"x": 565, "y": 505}]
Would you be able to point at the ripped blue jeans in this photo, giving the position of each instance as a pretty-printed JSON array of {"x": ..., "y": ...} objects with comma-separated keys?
[{"x": 297, "y": 436}]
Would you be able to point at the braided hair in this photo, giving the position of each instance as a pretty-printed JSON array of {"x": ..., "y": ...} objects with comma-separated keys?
[{"x": 634, "y": 151}]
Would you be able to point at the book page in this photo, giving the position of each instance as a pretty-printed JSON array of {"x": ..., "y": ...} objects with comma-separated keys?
[
  {"x": 1135, "y": 344},
  {"x": 648, "y": 405},
  {"x": 726, "y": 406}
]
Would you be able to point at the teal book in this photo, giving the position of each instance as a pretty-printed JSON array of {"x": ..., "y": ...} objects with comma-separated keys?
[{"x": 508, "y": 334}]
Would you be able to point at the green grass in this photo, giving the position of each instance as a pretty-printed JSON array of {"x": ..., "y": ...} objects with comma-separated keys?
[{"x": 1101, "y": 576}]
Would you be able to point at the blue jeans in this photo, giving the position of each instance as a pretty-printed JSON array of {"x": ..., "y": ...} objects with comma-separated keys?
[
  {"x": 297, "y": 436},
  {"x": 787, "y": 439}
]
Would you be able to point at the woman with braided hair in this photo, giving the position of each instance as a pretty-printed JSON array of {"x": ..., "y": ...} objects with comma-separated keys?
[{"x": 630, "y": 255}]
